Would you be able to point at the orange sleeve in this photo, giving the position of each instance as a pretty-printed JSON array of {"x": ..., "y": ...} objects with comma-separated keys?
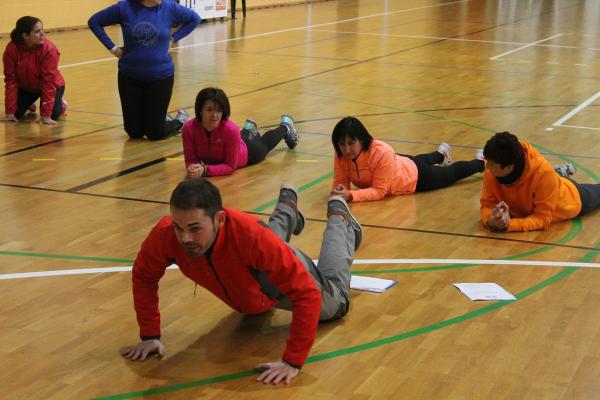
[{"x": 382, "y": 171}]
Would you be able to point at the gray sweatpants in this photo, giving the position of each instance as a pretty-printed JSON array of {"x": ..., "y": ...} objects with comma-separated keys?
[{"x": 335, "y": 261}]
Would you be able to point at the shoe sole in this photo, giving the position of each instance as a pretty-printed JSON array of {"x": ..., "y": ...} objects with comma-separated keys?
[
  {"x": 299, "y": 224},
  {"x": 341, "y": 199}
]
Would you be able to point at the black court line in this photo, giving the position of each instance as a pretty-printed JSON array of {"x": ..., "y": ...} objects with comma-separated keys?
[
  {"x": 471, "y": 236},
  {"x": 122, "y": 173},
  {"x": 35, "y": 146}
]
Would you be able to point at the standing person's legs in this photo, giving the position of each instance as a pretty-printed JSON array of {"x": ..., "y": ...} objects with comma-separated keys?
[
  {"x": 155, "y": 104},
  {"x": 58, "y": 108},
  {"x": 131, "y": 93},
  {"x": 590, "y": 196},
  {"x": 341, "y": 238},
  {"x": 24, "y": 101},
  {"x": 433, "y": 177}
]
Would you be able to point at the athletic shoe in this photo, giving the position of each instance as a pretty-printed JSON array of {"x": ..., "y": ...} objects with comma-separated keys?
[
  {"x": 336, "y": 205},
  {"x": 446, "y": 151},
  {"x": 251, "y": 128},
  {"x": 565, "y": 170},
  {"x": 182, "y": 116},
  {"x": 292, "y": 137},
  {"x": 65, "y": 105},
  {"x": 289, "y": 195},
  {"x": 479, "y": 155}
]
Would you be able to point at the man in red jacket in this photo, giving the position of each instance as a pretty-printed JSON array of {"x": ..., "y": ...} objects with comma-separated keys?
[{"x": 248, "y": 265}]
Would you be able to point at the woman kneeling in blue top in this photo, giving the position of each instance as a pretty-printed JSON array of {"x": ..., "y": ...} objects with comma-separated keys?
[{"x": 146, "y": 70}]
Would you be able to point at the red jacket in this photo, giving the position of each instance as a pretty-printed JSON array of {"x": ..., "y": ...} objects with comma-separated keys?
[
  {"x": 33, "y": 70},
  {"x": 244, "y": 248}
]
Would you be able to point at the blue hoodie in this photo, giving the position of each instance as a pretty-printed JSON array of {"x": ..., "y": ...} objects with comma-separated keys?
[{"x": 147, "y": 35}]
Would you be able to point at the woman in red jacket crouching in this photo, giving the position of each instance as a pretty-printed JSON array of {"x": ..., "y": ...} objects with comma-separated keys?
[{"x": 31, "y": 72}]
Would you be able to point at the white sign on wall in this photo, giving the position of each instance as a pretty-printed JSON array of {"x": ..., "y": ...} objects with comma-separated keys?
[{"x": 207, "y": 8}]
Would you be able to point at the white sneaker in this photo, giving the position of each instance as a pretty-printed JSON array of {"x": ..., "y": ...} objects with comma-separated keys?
[
  {"x": 565, "y": 170},
  {"x": 479, "y": 155},
  {"x": 446, "y": 151}
]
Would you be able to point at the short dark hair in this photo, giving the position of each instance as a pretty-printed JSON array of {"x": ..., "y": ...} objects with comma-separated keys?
[
  {"x": 197, "y": 193},
  {"x": 23, "y": 25},
  {"x": 503, "y": 148},
  {"x": 353, "y": 128},
  {"x": 218, "y": 96}
]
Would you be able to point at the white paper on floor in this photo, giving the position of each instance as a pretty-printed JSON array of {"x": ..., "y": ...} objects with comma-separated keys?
[
  {"x": 369, "y": 284},
  {"x": 484, "y": 291}
]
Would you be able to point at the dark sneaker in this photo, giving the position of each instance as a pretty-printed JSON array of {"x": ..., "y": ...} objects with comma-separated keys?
[
  {"x": 336, "y": 205},
  {"x": 289, "y": 195},
  {"x": 292, "y": 137},
  {"x": 251, "y": 128},
  {"x": 565, "y": 170}
]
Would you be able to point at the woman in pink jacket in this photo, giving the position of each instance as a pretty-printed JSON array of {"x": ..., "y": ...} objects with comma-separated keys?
[
  {"x": 377, "y": 171},
  {"x": 30, "y": 72},
  {"x": 213, "y": 145}
]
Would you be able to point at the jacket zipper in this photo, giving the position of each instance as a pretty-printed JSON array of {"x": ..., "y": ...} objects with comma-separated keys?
[
  {"x": 356, "y": 166},
  {"x": 212, "y": 268}
]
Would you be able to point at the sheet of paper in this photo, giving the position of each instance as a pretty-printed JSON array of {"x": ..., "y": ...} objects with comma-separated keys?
[
  {"x": 369, "y": 284},
  {"x": 484, "y": 291}
]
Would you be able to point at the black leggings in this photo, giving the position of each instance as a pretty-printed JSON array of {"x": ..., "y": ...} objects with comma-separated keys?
[
  {"x": 144, "y": 106},
  {"x": 26, "y": 99},
  {"x": 259, "y": 146},
  {"x": 433, "y": 177}
]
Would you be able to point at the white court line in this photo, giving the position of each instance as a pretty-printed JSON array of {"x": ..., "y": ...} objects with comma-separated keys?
[
  {"x": 574, "y": 111},
  {"x": 580, "y": 127},
  {"x": 366, "y": 261},
  {"x": 524, "y": 47},
  {"x": 176, "y": 49},
  {"x": 557, "y": 46}
]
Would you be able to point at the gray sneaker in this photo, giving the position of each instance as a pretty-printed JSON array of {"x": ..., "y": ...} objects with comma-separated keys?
[
  {"x": 292, "y": 137},
  {"x": 336, "y": 205},
  {"x": 251, "y": 128},
  {"x": 289, "y": 195},
  {"x": 182, "y": 116},
  {"x": 565, "y": 170}
]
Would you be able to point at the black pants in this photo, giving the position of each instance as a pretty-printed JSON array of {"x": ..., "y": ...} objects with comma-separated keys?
[
  {"x": 26, "y": 99},
  {"x": 433, "y": 177},
  {"x": 144, "y": 106},
  {"x": 590, "y": 196},
  {"x": 259, "y": 146}
]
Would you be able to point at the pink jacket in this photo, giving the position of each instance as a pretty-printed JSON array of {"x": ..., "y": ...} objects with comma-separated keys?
[
  {"x": 33, "y": 70},
  {"x": 222, "y": 150},
  {"x": 377, "y": 172}
]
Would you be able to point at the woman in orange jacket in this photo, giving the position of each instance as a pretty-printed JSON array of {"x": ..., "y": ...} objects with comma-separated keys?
[
  {"x": 377, "y": 171},
  {"x": 523, "y": 192}
]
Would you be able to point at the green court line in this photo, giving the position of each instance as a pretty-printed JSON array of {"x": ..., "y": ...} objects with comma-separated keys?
[
  {"x": 354, "y": 349},
  {"x": 302, "y": 188},
  {"x": 63, "y": 256}
]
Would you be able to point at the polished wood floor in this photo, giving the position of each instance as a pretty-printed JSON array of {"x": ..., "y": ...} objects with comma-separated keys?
[{"x": 79, "y": 195}]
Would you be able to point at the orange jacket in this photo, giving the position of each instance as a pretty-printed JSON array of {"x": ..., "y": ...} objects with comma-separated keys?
[
  {"x": 540, "y": 196},
  {"x": 377, "y": 172}
]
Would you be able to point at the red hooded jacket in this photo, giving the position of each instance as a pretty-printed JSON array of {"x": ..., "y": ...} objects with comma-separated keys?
[
  {"x": 33, "y": 70},
  {"x": 244, "y": 248}
]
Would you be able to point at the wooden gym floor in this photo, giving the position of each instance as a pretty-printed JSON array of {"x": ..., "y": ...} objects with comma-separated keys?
[{"x": 79, "y": 196}]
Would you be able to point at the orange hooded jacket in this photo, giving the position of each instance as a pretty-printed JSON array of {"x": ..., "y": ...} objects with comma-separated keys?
[
  {"x": 540, "y": 196},
  {"x": 377, "y": 172}
]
